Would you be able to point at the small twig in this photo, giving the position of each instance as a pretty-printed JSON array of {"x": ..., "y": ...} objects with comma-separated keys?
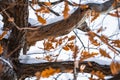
[
  {"x": 25, "y": 28},
  {"x": 79, "y": 39}
]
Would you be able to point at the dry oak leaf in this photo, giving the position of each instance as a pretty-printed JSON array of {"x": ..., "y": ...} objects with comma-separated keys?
[
  {"x": 66, "y": 48},
  {"x": 48, "y": 72},
  {"x": 86, "y": 55},
  {"x": 40, "y": 19},
  {"x": 116, "y": 43},
  {"x": 99, "y": 74},
  {"x": 66, "y": 10},
  {"x": 104, "y": 53},
  {"x": 115, "y": 68},
  {"x": 71, "y": 38}
]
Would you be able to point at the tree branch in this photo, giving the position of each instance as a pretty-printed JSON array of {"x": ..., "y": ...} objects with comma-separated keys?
[{"x": 31, "y": 69}]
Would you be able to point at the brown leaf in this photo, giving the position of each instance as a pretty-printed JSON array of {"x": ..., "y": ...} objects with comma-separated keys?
[
  {"x": 43, "y": 10},
  {"x": 47, "y": 3},
  {"x": 2, "y": 35},
  {"x": 104, "y": 53},
  {"x": 66, "y": 48},
  {"x": 96, "y": 15},
  {"x": 1, "y": 49},
  {"x": 71, "y": 38},
  {"x": 116, "y": 43},
  {"x": 86, "y": 55},
  {"x": 40, "y": 19},
  {"x": 115, "y": 67},
  {"x": 66, "y": 10}
]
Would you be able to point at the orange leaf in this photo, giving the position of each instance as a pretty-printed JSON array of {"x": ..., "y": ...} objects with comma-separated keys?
[
  {"x": 43, "y": 10},
  {"x": 116, "y": 43},
  {"x": 40, "y": 19},
  {"x": 3, "y": 34},
  {"x": 66, "y": 48},
  {"x": 47, "y": 3},
  {"x": 86, "y": 55},
  {"x": 71, "y": 38},
  {"x": 103, "y": 53},
  {"x": 115, "y": 67},
  {"x": 66, "y": 10},
  {"x": 1, "y": 49},
  {"x": 48, "y": 72}
]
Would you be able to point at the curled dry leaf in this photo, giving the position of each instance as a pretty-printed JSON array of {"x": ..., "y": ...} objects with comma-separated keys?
[{"x": 116, "y": 43}]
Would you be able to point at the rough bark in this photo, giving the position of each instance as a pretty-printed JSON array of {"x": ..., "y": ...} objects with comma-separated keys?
[
  {"x": 31, "y": 69},
  {"x": 17, "y": 38}
]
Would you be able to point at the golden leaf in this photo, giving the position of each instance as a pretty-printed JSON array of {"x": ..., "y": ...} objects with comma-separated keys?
[
  {"x": 66, "y": 10},
  {"x": 40, "y": 19},
  {"x": 48, "y": 72},
  {"x": 104, "y": 53}
]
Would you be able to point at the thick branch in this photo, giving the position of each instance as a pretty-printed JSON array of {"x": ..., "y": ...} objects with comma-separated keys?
[
  {"x": 65, "y": 26},
  {"x": 56, "y": 29},
  {"x": 30, "y": 69}
]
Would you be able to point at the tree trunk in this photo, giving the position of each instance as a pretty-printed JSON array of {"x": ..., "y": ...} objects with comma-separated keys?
[{"x": 16, "y": 39}]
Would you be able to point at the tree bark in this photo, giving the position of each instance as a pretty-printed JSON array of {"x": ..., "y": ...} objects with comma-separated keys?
[{"x": 17, "y": 38}]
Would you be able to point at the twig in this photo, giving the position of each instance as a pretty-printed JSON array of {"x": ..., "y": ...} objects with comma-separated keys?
[{"x": 79, "y": 39}]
